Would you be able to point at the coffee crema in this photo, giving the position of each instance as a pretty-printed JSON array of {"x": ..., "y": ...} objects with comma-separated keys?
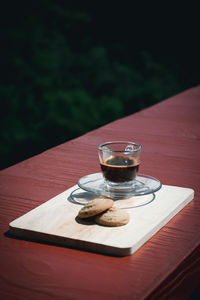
[{"x": 119, "y": 168}]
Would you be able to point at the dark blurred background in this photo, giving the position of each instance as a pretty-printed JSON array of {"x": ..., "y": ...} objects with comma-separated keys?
[{"x": 71, "y": 66}]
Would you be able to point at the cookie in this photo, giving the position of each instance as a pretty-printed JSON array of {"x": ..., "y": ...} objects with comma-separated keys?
[
  {"x": 114, "y": 216},
  {"x": 95, "y": 207}
]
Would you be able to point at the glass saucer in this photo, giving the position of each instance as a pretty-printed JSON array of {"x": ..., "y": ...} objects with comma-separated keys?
[{"x": 143, "y": 185}]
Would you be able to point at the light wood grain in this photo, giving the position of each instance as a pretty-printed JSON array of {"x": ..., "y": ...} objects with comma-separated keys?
[{"x": 56, "y": 221}]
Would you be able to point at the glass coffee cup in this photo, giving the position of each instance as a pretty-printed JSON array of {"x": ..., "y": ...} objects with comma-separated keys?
[{"x": 119, "y": 161}]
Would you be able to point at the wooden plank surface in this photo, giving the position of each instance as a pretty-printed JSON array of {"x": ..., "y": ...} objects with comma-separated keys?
[
  {"x": 55, "y": 221},
  {"x": 167, "y": 265}
]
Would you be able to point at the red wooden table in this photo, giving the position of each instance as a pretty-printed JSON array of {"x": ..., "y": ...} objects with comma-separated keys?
[{"x": 168, "y": 265}]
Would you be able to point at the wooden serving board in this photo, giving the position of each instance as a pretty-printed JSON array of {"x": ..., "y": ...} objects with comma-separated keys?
[{"x": 56, "y": 221}]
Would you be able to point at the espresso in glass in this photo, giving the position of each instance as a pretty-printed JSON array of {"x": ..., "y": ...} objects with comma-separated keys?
[
  {"x": 119, "y": 168},
  {"x": 119, "y": 162}
]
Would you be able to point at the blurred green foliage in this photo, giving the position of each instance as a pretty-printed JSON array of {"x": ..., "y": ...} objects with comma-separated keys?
[{"x": 61, "y": 76}]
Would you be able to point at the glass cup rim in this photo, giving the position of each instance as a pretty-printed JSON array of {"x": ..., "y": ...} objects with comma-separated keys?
[{"x": 139, "y": 146}]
